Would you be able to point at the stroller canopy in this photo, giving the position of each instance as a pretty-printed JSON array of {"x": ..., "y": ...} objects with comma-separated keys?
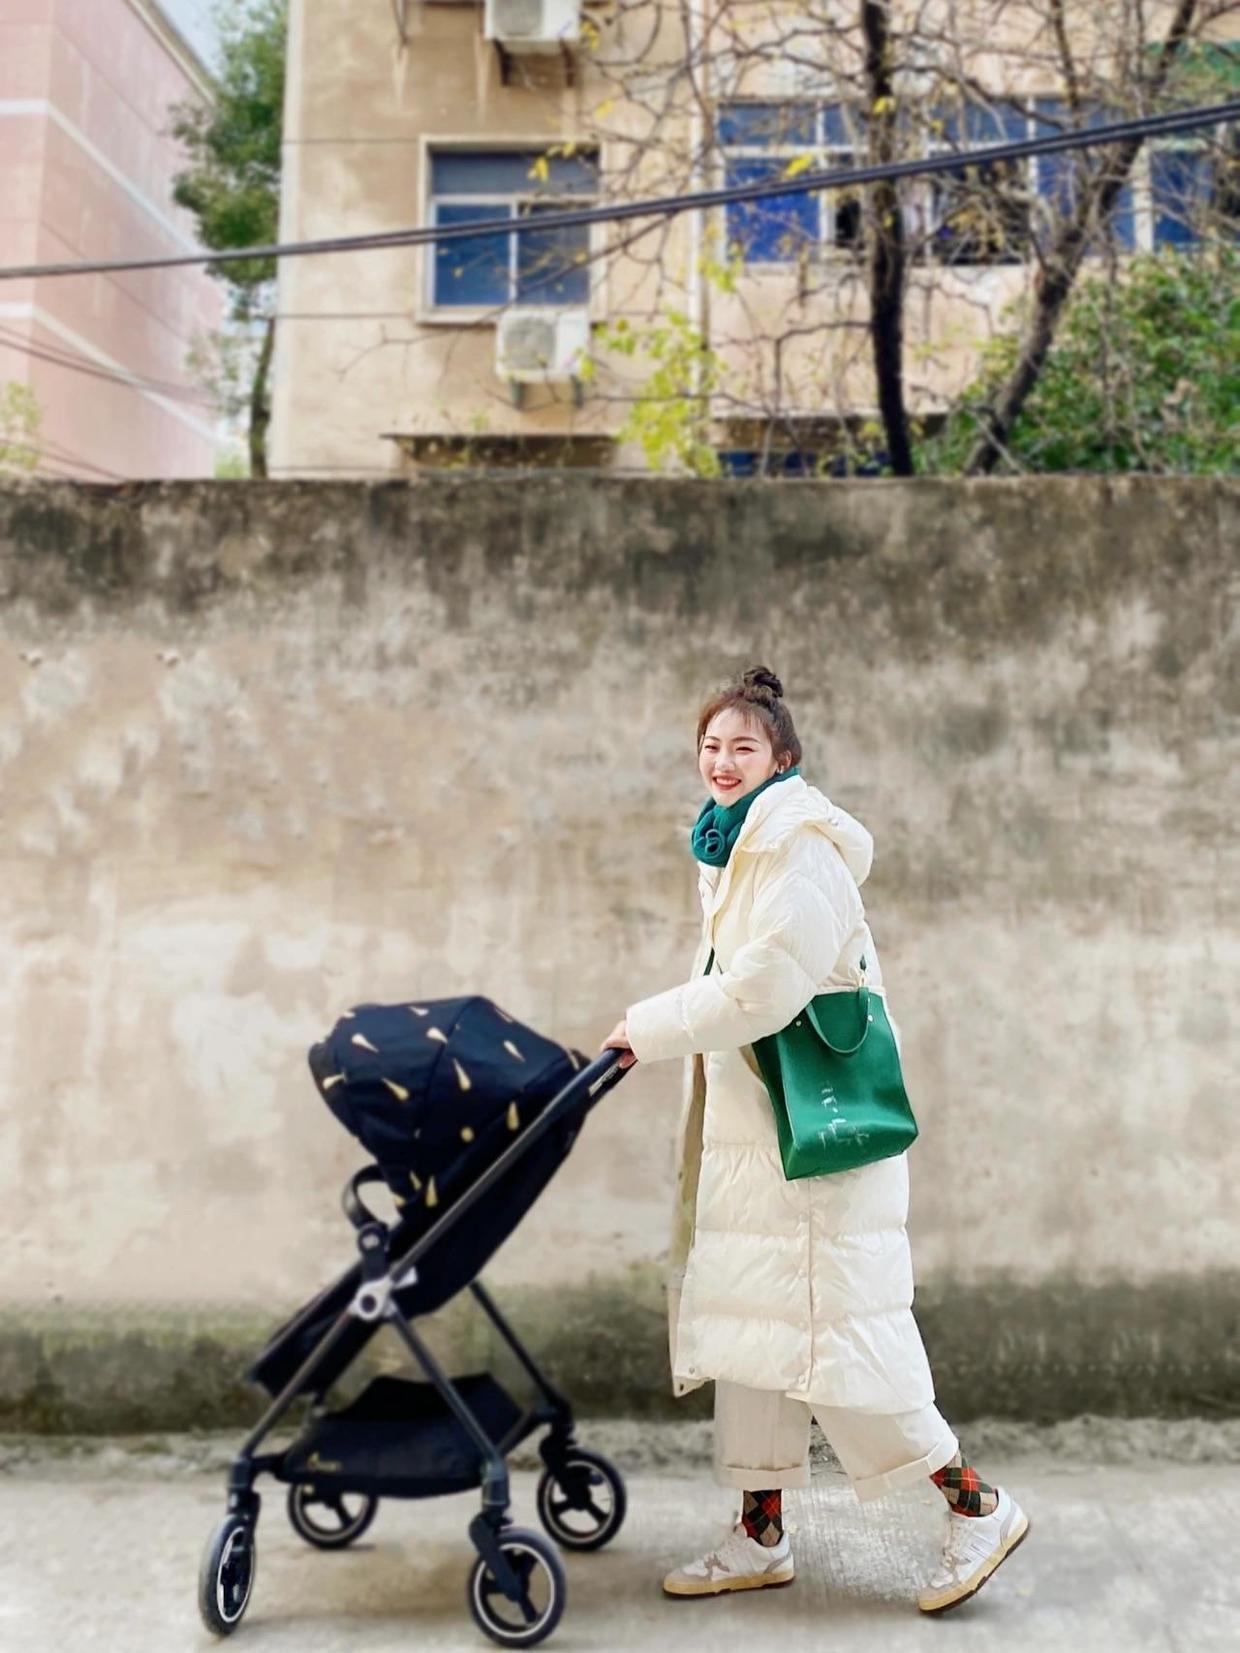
[{"x": 434, "y": 1091}]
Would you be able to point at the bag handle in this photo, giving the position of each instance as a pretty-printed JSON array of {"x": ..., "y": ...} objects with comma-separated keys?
[{"x": 863, "y": 1004}]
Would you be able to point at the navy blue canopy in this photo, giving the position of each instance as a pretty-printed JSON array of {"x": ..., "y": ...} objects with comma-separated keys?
[{"x": 435, "y": 1092}]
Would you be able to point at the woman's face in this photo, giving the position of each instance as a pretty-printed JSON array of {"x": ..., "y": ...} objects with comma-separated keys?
[{"x": 736, "y": 756}]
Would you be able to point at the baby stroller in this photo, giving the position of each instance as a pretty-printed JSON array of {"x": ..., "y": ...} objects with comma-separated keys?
[{"x": 467, "y": 1115}]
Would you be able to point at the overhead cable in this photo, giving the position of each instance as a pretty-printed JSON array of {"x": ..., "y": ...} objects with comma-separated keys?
[{"x": 665, "y": 206}]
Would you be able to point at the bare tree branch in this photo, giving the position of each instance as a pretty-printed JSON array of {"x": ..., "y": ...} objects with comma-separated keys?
[{"x": 1098, "y": 198}]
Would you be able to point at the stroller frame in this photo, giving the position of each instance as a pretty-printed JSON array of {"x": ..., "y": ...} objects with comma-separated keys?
[{"x": 375, "y": 1300}]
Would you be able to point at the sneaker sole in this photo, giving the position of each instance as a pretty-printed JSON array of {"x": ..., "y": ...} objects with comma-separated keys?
[
  {"x": 943, "y": 1604},
  {"x": 691, "y": 1588}
]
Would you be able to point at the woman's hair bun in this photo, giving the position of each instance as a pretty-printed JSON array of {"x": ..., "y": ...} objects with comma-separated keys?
[{"x": 758, "y": 677}]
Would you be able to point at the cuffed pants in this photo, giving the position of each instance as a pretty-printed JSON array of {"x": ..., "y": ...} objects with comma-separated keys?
[{"x": 762, "y": 1442}]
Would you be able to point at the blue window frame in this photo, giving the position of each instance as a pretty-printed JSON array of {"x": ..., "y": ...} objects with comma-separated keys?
[
  {"x": 1195, "y": 177},
  {"x": 978, "y": 214},
  {"x": 950, "y": 218},
  {"x": 768, "y": 125},
  {"x": 546, "y": 267},
  {"x": 1195, "y": 190},
  {"x": 795, "y": 463},
  {"x": 1181, "y": 191},
  {"x": 1194, "y": 183},
  {"x": 773, "y": 230},
  {"x": 758, "y": 141},
  {"x": 1057, "y": 174},
  {"x": 473, "y": 270}
]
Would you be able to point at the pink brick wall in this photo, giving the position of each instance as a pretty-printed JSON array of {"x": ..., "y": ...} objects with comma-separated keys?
[{"x": 86, "y": 89}]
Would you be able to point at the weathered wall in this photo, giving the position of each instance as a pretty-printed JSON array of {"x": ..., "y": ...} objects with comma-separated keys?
[{"x": 266, "y": 751}]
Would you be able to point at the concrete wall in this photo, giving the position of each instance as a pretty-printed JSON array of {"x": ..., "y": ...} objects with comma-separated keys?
[{"x": 269, "y": 750}]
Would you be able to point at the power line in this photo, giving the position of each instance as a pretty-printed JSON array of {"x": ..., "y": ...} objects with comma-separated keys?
[
  {"x": 57, "y": 454},
  {"x": 664, "y": 206},
  {"x": 75, "y": 362}
]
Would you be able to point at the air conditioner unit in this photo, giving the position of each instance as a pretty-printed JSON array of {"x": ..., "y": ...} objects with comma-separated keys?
[
  {"x": 540, "y": 346},
  {"x": 538, "y": 27}
]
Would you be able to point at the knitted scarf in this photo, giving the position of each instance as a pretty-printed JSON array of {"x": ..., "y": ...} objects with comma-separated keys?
[{"x": 719, "y": 825}]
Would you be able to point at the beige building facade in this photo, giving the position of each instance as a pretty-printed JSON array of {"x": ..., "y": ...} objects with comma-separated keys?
[{"x": 533, "y": 348}]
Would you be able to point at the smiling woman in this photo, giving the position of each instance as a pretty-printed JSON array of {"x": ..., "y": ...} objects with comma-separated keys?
[
  {"x": 746, "y": 742},
  {"x": 793, "y": 1293},
  {"x": 745, "y": 735}
]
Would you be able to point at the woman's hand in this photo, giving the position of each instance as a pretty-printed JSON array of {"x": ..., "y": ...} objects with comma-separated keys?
[{"x": 618, "y": 1039}]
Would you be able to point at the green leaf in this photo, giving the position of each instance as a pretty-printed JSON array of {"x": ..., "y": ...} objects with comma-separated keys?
[{"x": 1143, "y": 375}]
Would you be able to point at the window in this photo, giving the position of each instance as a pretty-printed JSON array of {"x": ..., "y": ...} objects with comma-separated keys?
[
  {"x": 1194, "y": 188},
  {"x": 1180, "y": 191},
  {"x": 993, "y": 214},
  {"x": 819, "y": 459},
  {"x": 544, "y": 267},
  {"x": 759, "y": 140},
  {"x": 1057, "y": 174},
  {"x": 1194, "y": 177},
  {"x": 977, "y": 214},
  {"x": 974, "y": 215}
]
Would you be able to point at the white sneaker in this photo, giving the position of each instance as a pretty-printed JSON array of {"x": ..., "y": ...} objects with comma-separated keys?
[
  {"x": 740, "y": 1563},
  {"x": 975, "y": 1546}
]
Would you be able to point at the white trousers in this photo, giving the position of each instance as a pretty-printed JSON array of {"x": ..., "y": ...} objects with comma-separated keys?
[{"x": 762, "y": 1442}]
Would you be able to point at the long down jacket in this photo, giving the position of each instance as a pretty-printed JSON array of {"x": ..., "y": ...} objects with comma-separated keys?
[{"x": 804, "y": 1287}]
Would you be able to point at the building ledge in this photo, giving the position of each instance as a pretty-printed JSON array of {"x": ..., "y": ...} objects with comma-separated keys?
[{"x": 494, "y": 451}]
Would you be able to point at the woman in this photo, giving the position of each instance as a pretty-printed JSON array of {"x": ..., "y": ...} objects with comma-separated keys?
[{"x": 794, "y": 1297}]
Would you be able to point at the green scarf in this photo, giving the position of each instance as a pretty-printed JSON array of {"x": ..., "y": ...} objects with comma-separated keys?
[{"x": 719, "y": 825}]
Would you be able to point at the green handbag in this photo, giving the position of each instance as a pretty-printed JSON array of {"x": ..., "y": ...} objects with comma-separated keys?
[{"x": 834, "y": 1079}]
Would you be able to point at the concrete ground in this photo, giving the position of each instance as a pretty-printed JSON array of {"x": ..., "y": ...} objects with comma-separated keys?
[{"x": 101, "y": 1550}]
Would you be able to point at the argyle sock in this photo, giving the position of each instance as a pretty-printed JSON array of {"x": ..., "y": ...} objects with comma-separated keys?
[
  {"x": 762, "y": 1516},
  {"x": 964, "y": 1488}
]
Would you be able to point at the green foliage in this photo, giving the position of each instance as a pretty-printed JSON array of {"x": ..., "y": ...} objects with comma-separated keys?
[
  {"x": 232, "y": 187},
  {"x": 232, "y": 183},
  {"x": 231, "y": 465},
  {"x": 223, "y": 363},
  {"x": 670, "y": 417},
  {"x": 20, "y": 420},
  {"x": 1144, "y": 375}
]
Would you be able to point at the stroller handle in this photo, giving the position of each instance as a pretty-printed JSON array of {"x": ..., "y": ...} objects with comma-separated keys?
[
  {"x": 602, "y": 1073},
  {"x": 594, "y": 1081}
]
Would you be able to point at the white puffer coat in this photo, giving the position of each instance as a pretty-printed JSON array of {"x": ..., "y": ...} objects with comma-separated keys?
[{"x": 804, "y": 1287}]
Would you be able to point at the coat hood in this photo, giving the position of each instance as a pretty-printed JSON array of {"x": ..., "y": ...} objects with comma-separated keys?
[{"x": 792, "y": 805}]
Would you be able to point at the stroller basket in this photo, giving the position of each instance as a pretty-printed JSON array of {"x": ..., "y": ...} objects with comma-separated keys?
[
  {"x": 400, "y": 1440},
  {"x": 467, "y": 1115}
]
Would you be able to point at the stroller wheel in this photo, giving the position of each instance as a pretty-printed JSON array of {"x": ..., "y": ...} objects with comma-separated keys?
[
  {"x": 329, "y": 1520},
  {"x": 530, "y": 1620},
  {"x": 226, "y": 1575},
  {"x": 582, "y": 1501}
]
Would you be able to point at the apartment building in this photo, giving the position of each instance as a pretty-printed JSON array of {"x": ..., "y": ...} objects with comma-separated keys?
[
  {"x": 86, "y": 164},
  {"x": 532, "y": 348}
]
